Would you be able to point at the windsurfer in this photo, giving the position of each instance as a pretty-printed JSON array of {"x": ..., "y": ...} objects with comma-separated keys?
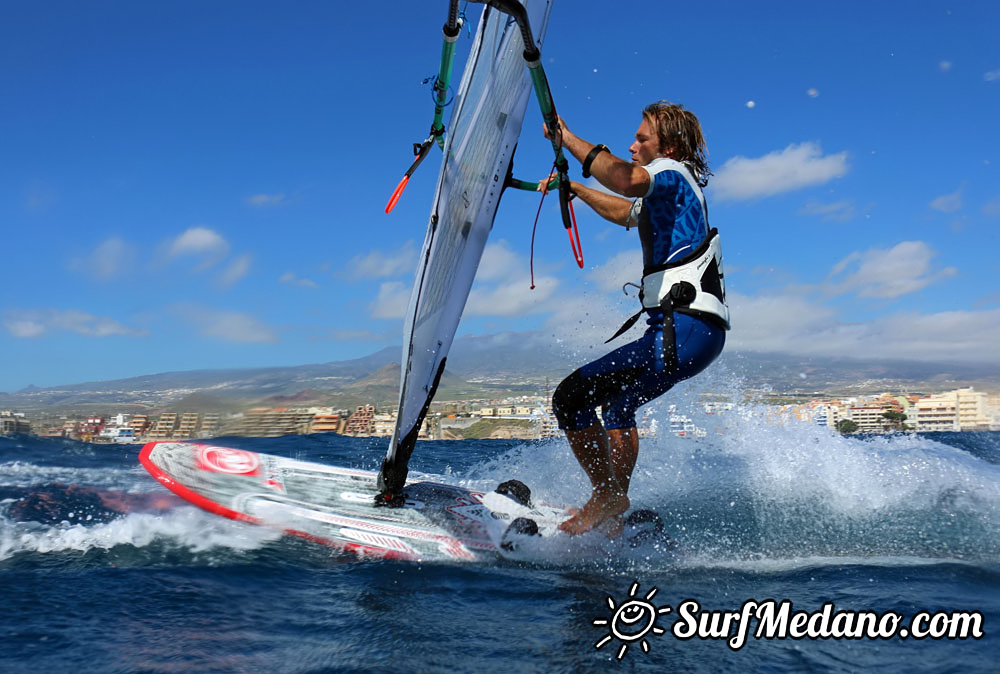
[{"x": 683, "y": 298}]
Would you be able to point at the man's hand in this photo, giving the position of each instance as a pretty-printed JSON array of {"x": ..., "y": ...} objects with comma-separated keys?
[
  {"x": 549, "y": 183},
  {"x": 563, "y": 130}
]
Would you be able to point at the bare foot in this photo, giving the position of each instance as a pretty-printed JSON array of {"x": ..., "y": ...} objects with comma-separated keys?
[
  {"x": 613, "y": 527},
  {"x": 602, "y": 506}
]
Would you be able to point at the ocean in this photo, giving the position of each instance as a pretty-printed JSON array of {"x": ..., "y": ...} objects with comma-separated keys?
[{"x": 832, "y": 545}]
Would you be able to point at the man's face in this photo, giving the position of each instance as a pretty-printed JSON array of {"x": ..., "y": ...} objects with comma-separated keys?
[{"x": 646, "y": 147}]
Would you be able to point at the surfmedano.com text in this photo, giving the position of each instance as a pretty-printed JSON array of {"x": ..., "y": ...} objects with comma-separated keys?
[{"x": 779, "y": 620}]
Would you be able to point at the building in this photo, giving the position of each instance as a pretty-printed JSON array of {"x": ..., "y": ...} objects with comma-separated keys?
[
  {"x": 382, "y": 425},
  {"x": 548, "y": 425},
  {"x": 328, "y": 422},
  {"x": 870, "y": 417},
  {"x": 164, "y": 428},
  {"x": 139, "y": 424},
  {"x": 272, "y": 423},
  {"x": 974, "y": 413},
  {"x": 209, "y": 425},
  {"x": 960, "y": 410},
  {"x": 12, "y": 422},
  {"x": 91, "y": 429},
  {"x": 360, "y": 423},
  {"x": 188, "y": 427}
]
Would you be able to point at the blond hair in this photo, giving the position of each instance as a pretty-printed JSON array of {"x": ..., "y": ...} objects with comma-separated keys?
[{"x": 679, "y": 130}]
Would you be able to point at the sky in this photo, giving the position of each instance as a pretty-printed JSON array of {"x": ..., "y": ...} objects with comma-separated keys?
[{"x": 201, "y": 185}]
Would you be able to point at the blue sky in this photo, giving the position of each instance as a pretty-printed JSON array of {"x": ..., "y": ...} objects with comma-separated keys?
[{"x": 202, "y": 185}]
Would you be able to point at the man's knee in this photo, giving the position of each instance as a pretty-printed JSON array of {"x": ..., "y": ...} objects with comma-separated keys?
[{"x": 567, "y": 401}]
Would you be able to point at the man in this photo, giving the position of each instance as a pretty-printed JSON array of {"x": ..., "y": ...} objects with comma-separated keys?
[{"x": 683, "y": 298}]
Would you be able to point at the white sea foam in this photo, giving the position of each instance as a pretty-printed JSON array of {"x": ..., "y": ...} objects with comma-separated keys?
[
  {"x": 185, "y": 527},
  {"x": 759, "y": 488},
  {"x": 24, "y": 474}
]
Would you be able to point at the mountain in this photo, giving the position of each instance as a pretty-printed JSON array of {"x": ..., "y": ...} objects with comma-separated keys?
[{"x": 488, "y": 366}]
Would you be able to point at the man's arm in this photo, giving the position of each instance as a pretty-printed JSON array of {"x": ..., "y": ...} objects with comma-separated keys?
[
  {"x": 608, "y": 206},
  {"x": 616, "y": 174}
]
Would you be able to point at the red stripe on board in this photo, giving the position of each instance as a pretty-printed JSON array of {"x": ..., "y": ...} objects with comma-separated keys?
[
  {"x": 186, "y": 493},
  {"x": 217, "y": 509}
]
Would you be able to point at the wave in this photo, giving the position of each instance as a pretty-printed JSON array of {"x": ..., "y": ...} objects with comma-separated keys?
[
  {"x": 755, "y": 491},
  {"x": 183, "y": 530}
]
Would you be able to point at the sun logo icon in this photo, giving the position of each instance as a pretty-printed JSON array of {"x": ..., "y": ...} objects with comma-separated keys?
[{"x": 631, "y": 621}]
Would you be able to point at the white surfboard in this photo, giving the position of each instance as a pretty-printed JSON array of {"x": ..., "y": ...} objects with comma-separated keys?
[{"x": 336, "y": 506}]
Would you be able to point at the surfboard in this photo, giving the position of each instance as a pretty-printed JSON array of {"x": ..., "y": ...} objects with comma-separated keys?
[{"x": 336, "y": 506}]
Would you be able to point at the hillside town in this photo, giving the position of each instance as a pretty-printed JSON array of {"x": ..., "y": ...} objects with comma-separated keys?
[{"x": 523, "y": 417}]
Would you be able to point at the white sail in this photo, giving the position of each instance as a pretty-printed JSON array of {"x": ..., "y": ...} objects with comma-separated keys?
[{"x": 485, "y": 124}]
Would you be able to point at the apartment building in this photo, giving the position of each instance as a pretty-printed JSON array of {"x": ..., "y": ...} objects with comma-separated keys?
[
  {"x": 360, "y": 423},
  {"x": 164, "y": 428},
  {"x": 868, "y": 417},
  {"x": 11, "y": 422},
  {"x": 140, "y": 424},
  {"x": 272, "y": 423},
  {"x": 382, "y": 425},
  {"x": 959, "y": 410},
  {"x": 328, "y": 422},
  {"x": 209, "y": 425},
  {"x": 188, "y": 427}
]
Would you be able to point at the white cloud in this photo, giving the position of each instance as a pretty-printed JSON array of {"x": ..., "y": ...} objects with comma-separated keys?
[
  {"x": 795, "y": 167},
  {"x": 623, "y": 268},
  {"x": 512, "y": 297},
  {"x": 992, "y": 208},
  {"x": 886, "y": 274},
  {"x": 776, "y": 321},
  {"x": 358, "y": 336},
  {"x": 992, "y": 76},
  {"x": 948, "y": 203},
  {"x": 29, "y": 324},
  {"x": 235, "y": 271},
  {"x": 393, "y": 297},
  {"x": 25, "y": 327},
  {"x": 793, "y": 324},
  {"x": 262, "y": 200},
  {"x": 229, "y": 326},
  {"x": 499, "y": 262},
  {"x": 377, "y": 264},
  {"x": 800, "y": 318},
  {"x": 503, "y": 285},
  {"x": 110, "y": 259},
  {"x": 838, "y": 211},
  {"x": 593, "y": 308},
  {"x": 796, "y": 320},
  {"x": 293, "y": 279},
  {"x": 199, "y": 242}
]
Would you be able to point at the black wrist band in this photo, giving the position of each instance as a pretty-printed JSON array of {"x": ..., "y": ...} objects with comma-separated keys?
[{"x": 598, "y": 149}]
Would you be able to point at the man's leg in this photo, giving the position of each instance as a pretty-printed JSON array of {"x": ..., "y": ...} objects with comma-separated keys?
[
  {"x": 624, "y": 446},
  {"x": 592, "y": 447}
]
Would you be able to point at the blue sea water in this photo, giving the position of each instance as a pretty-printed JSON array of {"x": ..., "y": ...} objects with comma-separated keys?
[{"x": 102, "y": 571}]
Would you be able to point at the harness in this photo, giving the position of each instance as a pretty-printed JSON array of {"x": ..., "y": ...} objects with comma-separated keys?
[{"x": 692, "y": 285}]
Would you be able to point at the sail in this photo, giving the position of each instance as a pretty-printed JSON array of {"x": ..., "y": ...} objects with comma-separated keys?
[{"x": 485, "y": 124}]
